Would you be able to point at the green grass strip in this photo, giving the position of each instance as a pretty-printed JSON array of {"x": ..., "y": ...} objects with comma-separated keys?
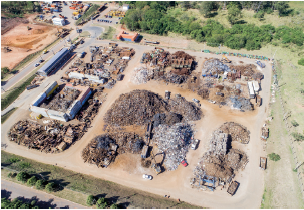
[
  {"x": 14, "y": 94},
  {"x": 88, "y": 14},
  {"x": 8, "y": 114}
]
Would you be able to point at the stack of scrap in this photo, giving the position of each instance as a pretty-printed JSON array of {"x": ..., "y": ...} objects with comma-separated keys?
[
  {"x": 248, "y": 70},
  {"x": 141, "y": 75},
  {"x": 220, "y": 162},
  {"x": 237, "y": 132},
  {"x": 214, "y": 66},
  {"x": 175, "y": 78},
  {"x": 169, "y": 119},
  {"x": 188, "y": 110},
  {"x": 45, "y": 138},
  {"x": 174, "y": 141},
  {"x": 241, "y": 103},
  {"x": 103, "y": 149}
]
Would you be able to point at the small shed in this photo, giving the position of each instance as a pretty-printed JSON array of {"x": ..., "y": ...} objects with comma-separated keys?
[
  {"x": 62, "y": 146},
  {"x": 125, "y": 7}
]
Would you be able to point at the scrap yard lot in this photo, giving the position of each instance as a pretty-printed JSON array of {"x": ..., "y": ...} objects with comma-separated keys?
[{"x": 121, "y": 110}]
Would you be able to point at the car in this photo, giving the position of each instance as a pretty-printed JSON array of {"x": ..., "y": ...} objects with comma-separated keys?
[
  {"x": 53, "y": 16},
  {"x": 194, "y": 143},
  {"x": 37, "y": 64},
  {"x": 111, "y": 21},
  {"x": 41, "y": 61},
  {"x": 146, "y": 176},
  {"x": 196, "y": 101},
  {"x": 81, "y": 42},
  {"x": 184, "y": 163}
]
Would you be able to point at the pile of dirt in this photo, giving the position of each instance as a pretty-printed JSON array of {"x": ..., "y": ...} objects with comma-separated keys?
[
  {"x": 140, "y": 106},
  {"x": 103, "y": 149}
]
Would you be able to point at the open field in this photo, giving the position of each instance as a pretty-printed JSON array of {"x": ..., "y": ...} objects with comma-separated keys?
[
  {"x": 7, "y": 115},
  {"x": 80, "y": 186}
]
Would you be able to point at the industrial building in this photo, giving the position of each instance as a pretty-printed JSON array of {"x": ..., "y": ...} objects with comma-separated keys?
[
  {"x": 58, "y": 21},
  {"x": 127, "y": 37},
  {"x": 54, "y": 62},
  {"x": 60, "y": 103}
]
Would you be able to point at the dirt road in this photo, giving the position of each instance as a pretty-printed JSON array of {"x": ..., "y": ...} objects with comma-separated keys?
[{"x": 173, "y": 183}]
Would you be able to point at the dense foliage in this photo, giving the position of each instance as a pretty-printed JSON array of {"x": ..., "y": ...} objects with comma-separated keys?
[
  {"x": 274, "y": 157},
  {"x": 50, "y": 187},
  {"x": 16, "y": 204},
  {"x": 301, "y": 61},
  {"x": 91, "y": 200},
  {"x": 22, "y": 176},
  {"x": 32, "y": 181},
  {"x": 152, "y": 18},
  {"x": 18, "y": 8}
]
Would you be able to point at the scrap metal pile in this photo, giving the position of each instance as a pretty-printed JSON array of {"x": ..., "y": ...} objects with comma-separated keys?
[
  {"x": 241, "y": 103},
  {"x": 250, "y": 71},
  {"x": 141, "y": 75},
  {"x": 214, "y": 66},
  {"x": 157, "y": 57},
  {"x": 174, "y": 141},
  {"x": 140, "y": 106},
  {"x": 62, "y": 100},
  {"x": 220, "y": 161},
  {"x": 103, "y": 149},
  {"x": 46, "y": 137}
]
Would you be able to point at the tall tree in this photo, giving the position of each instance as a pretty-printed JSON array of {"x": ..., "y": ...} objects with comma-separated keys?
[
  {"x": 234, "y": 14},
  {"x": 206, "y": 8}
]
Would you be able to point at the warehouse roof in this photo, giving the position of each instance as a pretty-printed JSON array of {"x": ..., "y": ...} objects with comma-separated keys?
[{"x": 54, "y": 59}]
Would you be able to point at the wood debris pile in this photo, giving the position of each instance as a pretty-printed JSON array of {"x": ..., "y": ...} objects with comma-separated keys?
[
  {"x": 45, "y": 137},
  {"x": 237, "y": 132}
]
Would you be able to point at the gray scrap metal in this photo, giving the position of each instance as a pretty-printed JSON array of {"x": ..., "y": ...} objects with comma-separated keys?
[
  {"x": 141, "y": 75},
  {"x": 241, "y": 103},
  {"x": 174, "y": 141},
  {"x": 218, "y": 143},
  {"x": 214, "y": 66}
]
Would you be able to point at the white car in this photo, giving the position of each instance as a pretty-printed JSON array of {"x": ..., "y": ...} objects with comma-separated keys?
[
  {"x": 37, "y": 64},
  {"x": 146, "y": 176}
]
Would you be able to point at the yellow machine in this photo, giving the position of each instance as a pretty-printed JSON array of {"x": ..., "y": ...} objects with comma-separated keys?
[{"x": 225, "y": 59}]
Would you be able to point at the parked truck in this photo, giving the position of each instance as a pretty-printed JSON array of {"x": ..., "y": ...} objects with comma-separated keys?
[
  {"x": 262, "y": 65},
  {"x": 144, "y": 151},
  {"x": 263, "y": 162},
  {"x": 232, "y": 188},
  {"x": 167, "y": 94}
]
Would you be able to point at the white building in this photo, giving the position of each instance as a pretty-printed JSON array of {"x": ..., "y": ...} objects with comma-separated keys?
[
  {"x": 58, "y": 21},
  {"x": 125, "y": 7}
]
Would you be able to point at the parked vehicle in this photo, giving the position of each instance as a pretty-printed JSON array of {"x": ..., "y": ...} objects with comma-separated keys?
[
  {"x": 146, "y": 176},
  {"x": 37, "y": 64},
  {"x": 184, "y": 163},
  {"x": 194, "y": 143},
  {"x": 233, "y": 187},
  {"x": 31, "y": 86},
  {"x": 41, "y": 61}
]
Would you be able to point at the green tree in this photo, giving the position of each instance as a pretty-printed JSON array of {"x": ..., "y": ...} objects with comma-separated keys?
[
  {"x": 40, "y": 184},
  {"x": 91, "y": 200},
  {"x": 282, "y": 7},
  {"x": 259, "y": 15},
  {"x": 22, "y": 176},
  {"x": 32, "y": 181},
  {"x": 206, "y": 8},
  {"x": 274, "y": 157},
  {"x": 5, "y": 70},
  {"x": 101, "y": 203},
  {"x": 50, "y": 187},
  {"x": 234, "y": 14}
]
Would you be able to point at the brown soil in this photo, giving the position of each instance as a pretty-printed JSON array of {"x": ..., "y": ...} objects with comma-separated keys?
[{"x": 23, "y": 42}]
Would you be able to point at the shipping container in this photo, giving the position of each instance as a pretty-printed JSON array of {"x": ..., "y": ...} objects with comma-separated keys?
[
  {"x": 256, "y": 86},
  {"x": 50, "y": 86},
  {"x": 47, "y": 95},
  {"x": 86, "y": 98},
  {"x": 39, "y": 99},
  {"x": 85, "y": 94},
  {"x": 39, "y": 110},
  {"x": 58, "y": 115},
  {"x": 250, "y": 90},
  {"x": 76, "y": 75}
]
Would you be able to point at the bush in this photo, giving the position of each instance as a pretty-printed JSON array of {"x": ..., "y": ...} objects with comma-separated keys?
[
  {"x": 14, "y": 175},
  {"x": 22, "y": 176},
  {"x": 23, "y": 165},
  {"x": 294, "y": 123},
  {"x": 114, "y": 206},
  {"x": 301, "y": 62},
  {"x": 91, "y": 200},
  {"x": 14, "y": 160},
  {"x": 40, "y": 184},
  {"x": 298, "y": 136},
  {"x": 102, "y": 203},
  {"x": 9, "y": 174},
  {"x": 274, "y": 157},
  {"x": 5, "y": 70},
  {"x": 32, "y": 181},
  {"x": 50, "y": 187}
]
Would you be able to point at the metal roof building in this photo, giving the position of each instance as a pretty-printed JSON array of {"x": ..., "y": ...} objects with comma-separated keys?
[{"x": 56, "y": 60}]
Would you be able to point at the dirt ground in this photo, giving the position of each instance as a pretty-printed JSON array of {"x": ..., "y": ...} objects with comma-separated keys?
[
  {"x": 173, "y": 183},
  {"x": 23, "y": 42}
]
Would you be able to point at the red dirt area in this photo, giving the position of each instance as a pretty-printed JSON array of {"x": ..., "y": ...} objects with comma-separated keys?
[{"x": 23, "y": 42}]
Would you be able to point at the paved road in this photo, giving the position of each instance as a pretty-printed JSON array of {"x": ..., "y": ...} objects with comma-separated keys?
[{"x": 43, "y": 200}]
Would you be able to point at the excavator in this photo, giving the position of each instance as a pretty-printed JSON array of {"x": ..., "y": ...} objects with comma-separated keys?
[
  {"x": 225, "y": 59},
  {"x": 156, "y": 166}
]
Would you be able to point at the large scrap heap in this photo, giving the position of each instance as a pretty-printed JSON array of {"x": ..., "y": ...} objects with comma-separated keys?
[
  {"x": 220, "y": 162},
  {"x": 103, "y": 149},
  {"x": 46, "y": 137}
]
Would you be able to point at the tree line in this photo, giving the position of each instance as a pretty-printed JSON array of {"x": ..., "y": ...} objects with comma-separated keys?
[
  {"x": 152, "y": 18},
  {"x": 19, "y": 8}
]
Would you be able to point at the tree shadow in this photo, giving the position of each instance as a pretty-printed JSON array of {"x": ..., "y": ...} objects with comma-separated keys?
[
  {"x": 5, "y": 193},
  {"x": 240, "y": 22},
  {"x": 213, "y": 14},
  {"x": 3, "y": 83},
  {"x": 113, "y": 199},
  {"x": 42, "y": 204}
]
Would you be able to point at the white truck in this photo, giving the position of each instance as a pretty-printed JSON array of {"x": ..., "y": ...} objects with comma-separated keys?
[{"x": 194, "y": 143}]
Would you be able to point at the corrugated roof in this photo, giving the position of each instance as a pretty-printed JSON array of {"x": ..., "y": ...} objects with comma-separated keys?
[{"x": 55, "y": 58}]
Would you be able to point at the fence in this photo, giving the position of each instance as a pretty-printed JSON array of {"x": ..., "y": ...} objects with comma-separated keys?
[{"x": 258, "y": 57}]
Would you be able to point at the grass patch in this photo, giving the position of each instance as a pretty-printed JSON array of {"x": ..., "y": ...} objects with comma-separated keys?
[
  {"x": 90, "y": 185},
  {"x": 88, "y": 14},
  {"x": 274, "y": 157},
  {"x": 85, "y": 34},
  {"x": 108, "y": 34},
  {"x": 14, "y": 94},
  {"x": 7, "y": 115}
]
